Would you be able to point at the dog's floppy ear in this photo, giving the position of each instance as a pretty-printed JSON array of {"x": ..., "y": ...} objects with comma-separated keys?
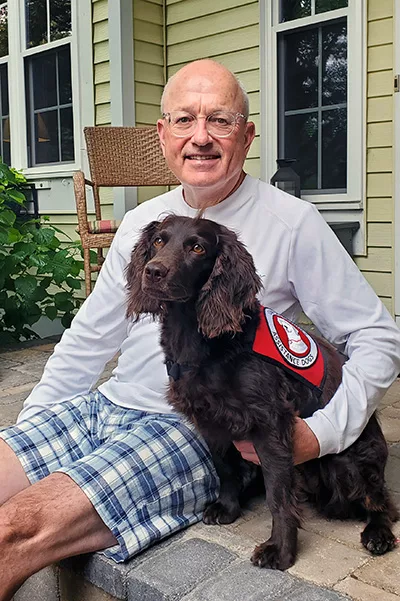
[
  {"x": 138, "y": 301},
  {"x": 230, "y": 289}
]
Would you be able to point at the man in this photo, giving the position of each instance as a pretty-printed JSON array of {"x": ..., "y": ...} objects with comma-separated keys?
[{"x": 115, "y": 469}]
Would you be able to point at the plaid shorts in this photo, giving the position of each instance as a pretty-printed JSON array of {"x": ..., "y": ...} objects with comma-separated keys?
[{"x": 146, "y": 474}]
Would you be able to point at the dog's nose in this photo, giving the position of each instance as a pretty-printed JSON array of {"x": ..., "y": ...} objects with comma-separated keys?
[{"x": 155, "y": 271}]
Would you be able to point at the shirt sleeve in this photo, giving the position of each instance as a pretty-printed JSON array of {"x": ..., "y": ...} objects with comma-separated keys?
[
  {"x": 94, "y": 337},
  {"x": 336, "y": 297}
]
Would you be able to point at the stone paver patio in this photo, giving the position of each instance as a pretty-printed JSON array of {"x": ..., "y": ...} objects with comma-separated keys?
[{"x": 212, "y": 563}]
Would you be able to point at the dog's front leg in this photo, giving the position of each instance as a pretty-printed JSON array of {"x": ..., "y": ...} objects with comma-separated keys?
[
  {"x": 279, "y": 552},
  {"x": 226, "y": 509}
]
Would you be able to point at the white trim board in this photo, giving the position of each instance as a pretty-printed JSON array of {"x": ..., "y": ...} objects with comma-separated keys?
[{"x": 122, "y": 85}]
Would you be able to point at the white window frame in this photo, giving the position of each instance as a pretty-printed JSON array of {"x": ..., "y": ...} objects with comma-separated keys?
[
  {"x": 270, "y": 27},
  {"x": 82, "y": 86}
]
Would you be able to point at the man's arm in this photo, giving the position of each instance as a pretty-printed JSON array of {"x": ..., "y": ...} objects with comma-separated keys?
[
  {"x": 95, "y": 335},
  {"x": 343, "y": 306},
  {"x": 305, "y": 445},
  {"x": 336, "y": 297}
]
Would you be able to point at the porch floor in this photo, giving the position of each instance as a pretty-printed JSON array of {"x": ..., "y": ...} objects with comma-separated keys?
[{"x": 212, "y": 563}]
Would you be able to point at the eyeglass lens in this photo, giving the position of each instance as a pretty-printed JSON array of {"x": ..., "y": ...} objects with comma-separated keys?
[{"x": 218, "y": 124}]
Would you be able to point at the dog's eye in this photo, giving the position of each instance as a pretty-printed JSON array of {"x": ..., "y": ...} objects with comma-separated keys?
[
  {"x": 198, "y": 249},
  {"x": 158, "y": 242}
]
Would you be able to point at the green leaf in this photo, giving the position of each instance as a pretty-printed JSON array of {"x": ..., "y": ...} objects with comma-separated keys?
[
  {"x": 73, "y": 283},
  {"x": 60, "y": 266},
  {"x": 10, "y": 264},
  {"x": 43, "y": 235},
  {"x": 7, "y": 217},
  {"x": 23, "y": 249},
  {"x": 25, "y": 286},
  {"x": 39, "y": 261},
  {"x": 63, "y": 301},
  {"x": 45, "y": 282},
  {"x": 32, "y": 317},
  {"x": 6, "y": 174},
  {"x": 14, "y": 236},
  {"x": 66, "y": 320},
  {"x": 9, "y": 284},
  {"x": 54, "y": 243},
  {"x": 39, "y": 294},
  {"x": 76, "y": 267},
  {"x": 17, "y": 196},
  {"x": 51, "y": 312},
  {"x": 3, "y": 235}
]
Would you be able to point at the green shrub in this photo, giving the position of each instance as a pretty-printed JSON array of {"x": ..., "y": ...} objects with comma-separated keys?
[{"x": 38, "y": 274}]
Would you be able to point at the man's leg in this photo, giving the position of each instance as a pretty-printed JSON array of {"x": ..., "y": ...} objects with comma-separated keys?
[
  {"x": 45, "y": 523},
  {"x": 12, "y": 476},
  {"x": 145, "y": 476}
]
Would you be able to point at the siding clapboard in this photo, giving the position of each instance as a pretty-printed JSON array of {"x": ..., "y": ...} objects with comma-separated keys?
[
  {"x": 101, "y": 63},
  {"x": 226, "y": 31},
  {"x": 378, "y": 265}
]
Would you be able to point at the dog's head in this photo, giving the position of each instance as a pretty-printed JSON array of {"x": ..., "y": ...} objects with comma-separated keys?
[{"x": 181, "y": 259}]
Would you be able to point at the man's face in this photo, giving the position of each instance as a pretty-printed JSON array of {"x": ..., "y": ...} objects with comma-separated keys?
[{"x": 200, "y": 160}]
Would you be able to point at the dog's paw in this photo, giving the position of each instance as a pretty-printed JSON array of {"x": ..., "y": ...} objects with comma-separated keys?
[
  {"x": 378, "y": 539},
  {"x": 268, "y": 555},
  {"x": 220, "y": 513}
]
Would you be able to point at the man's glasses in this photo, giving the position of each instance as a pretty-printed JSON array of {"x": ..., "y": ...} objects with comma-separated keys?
[{"x": 219, "y": 124}]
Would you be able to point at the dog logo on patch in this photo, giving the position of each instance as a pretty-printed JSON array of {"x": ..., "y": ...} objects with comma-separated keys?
[{"x": 295, "y": 345}]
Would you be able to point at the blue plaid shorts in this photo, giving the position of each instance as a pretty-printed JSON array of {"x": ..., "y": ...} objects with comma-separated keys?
[{"x": 146, "y": 474}]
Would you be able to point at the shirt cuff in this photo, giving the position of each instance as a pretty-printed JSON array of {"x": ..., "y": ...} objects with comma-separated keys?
[{"x": 325, "y": 432}]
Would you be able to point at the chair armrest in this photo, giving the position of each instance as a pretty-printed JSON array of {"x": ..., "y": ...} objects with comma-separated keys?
[{"x": 80, "y": 200}]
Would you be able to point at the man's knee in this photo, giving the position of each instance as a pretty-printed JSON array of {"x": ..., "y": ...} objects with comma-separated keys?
[{"x": 12, "y": 476}]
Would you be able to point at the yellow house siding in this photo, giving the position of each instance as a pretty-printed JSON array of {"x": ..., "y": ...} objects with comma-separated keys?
[
  {"x": 228, "y": 32},
  {"x": 149, "y": 69},
  {"x": 101, "y": 62},
  {"x": 377, "y": 265}
]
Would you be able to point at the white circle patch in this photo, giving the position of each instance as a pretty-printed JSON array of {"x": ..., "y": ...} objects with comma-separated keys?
[{"x": 295, "y": 345}]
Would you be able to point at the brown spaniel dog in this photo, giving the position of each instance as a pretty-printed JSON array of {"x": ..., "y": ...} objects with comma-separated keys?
[{"x": 200, "y": 281}]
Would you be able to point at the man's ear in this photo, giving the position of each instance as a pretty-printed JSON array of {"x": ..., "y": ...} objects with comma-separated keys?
[
  {"x": 161, "y": 134},
  {"x": 249, "y": 135}
]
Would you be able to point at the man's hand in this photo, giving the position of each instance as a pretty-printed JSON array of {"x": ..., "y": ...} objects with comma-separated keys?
[{"x": 305, "y": 445}]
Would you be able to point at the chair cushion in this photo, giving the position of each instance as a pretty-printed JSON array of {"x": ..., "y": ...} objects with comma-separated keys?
[{"x": 105, "y": 226}]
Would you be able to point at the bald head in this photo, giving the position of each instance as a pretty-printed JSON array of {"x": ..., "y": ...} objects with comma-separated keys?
[{"x": 204, "y": 75}]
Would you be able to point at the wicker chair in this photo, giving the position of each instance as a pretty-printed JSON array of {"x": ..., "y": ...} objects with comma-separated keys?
[{"x": 118, "y": 156}]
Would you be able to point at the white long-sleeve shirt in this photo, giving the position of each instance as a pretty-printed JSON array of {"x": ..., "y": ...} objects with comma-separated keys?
[{"x": 302, "y": 266}]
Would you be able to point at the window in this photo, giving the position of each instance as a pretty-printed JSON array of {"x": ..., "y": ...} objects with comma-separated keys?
[
  {"x": 50, "y": 118},
  {"x": 315, "y": 104},
  {"x": 47, "y": 21},
  {"x": 42, "y": 43},
  {"x": 5, "y": 148},
  {"x": 50, "y": 123},
  {"x": 3, "y": 29}
]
